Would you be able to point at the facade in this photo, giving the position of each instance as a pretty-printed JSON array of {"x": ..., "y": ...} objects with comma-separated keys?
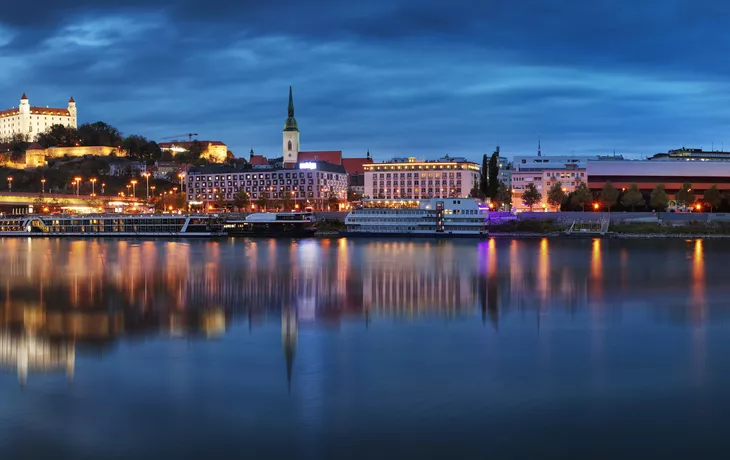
[
  {"x": 544, "y": 171},
  {"x": 648, "y": 174},
  {"x": 308, "y": 184},
  {"x": 214, "y": 151},
  {"x": 32, "y": 120},
  {"x": 290, "y": 136},
  {"x": 685, "y": 154},
  {"x": 412, "y": 179},
  {"x": 122, "y": 168},
  {"x": 36, "y": 156}
]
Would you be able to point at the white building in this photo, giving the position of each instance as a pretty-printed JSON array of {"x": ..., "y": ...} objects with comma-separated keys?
[
  {"x": 32, "y": 120},
  {"x": 412, "y": 179},
  {"x": 544, "y": 171},
  {"x": 310, "y": 183}
]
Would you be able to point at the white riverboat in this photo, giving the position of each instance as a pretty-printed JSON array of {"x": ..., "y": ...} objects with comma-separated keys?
[
  {"x": 112, "y": 226},
  {"x": 293, "y": 224},
  {"x": 434, "y": 217}
]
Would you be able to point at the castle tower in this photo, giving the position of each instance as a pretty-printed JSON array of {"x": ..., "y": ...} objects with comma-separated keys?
[
  {"x": 290, "y": 135},
  {"x": 24, "y": 121},
  {"x": 72, "y": 109}
]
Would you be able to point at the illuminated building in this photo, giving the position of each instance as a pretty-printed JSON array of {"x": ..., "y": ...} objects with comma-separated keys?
[
  {"x": 543, "y": 172},
  {"x": 412, "y": 179},
  {"x": 213, "y": 151},
  {"x": 312, "y": 182},
  {"x": 32, "y": 120}
]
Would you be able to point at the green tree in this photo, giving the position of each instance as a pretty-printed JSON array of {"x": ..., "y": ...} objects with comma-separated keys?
[
  {"x": 712, "y": 197},
  {"x": 241, "y": 199},
  {"x": 685, "y": 195},
  {"x": 484, "y": 177},
  {"x": 287, "y": 202},
  {"x": 476, "y": 192},
  {"x": 99, "y": 133},
  {"x": 609, "y": 195},
  {"x": 18, "y": 143},
  {"x": 263, "y": 201},
  {"x": 556, "y": 195},
  {"x": 332, "y": 200},
  {"x": 659, "y": 199},
  {"x": 504, "y": 196},
  {"x": 493, "y": 175},
  {"x": 531, "y": 196},
  {"x": 139, "y": 148},
  {"x": 58, "y": 136},
  {"x": 582, "y": 196},
  {"x": 633, "y": 197}
]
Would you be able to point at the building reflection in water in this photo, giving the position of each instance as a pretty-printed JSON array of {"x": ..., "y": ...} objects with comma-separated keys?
[{"x": 92, "y": 293}]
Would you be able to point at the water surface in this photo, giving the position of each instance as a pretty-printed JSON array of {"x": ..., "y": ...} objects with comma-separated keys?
[{"x": 363, "y": 349}]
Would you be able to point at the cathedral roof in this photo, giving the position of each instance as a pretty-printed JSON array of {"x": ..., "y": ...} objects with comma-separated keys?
[
  {"x": 24, "y": 98},
  {"x": 72, "y": 100},
  {"x": 355, "y": 165},
  {"x": 291, "y": 122}
]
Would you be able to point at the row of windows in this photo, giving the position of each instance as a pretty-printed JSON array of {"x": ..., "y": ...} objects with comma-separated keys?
[
  {"x": 423, "y": 175},
  {"x": 266, "y": 176},
  {"x": 415, "y": 182}
]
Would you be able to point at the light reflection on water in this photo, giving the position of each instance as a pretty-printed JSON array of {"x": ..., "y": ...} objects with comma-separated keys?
[{"x": 303, "y": 339}]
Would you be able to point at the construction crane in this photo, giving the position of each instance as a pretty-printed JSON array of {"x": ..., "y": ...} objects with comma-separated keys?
[{"x": 178, "y": 136}]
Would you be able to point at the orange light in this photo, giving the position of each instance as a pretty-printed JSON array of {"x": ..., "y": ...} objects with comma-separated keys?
[
  {"x": 699, "y": 207},
  {"x": 491, "y": 205},
  {"x": 595, "y": 205}
]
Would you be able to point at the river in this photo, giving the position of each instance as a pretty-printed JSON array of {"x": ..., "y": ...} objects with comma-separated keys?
[{"x": 336, "y": 348}]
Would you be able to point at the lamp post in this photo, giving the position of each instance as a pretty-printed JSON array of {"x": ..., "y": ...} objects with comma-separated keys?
[
  {"x": 128, "y": 187},
  {"x": 147, "y": 176},
  {"x": 102, "y": 187},
  {"x": 181, "y": 176},
  {"x": 93, "y": 186},
  {"x": 10, "y": 184},
  {"x": 78, "y": 185},
  {"x": 134, "y": 188},
  {"x": 43, "y": 185}
]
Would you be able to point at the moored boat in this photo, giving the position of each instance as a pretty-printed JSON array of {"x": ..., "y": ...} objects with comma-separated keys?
[
  {"x": 290, "y": 224},
  {"x": 112, "y": 226},
  {"x": 433, "y": 217}
]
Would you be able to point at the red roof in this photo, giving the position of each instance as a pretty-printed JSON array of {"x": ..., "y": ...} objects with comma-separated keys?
[
  {"x": 258, "y": 160},
  {"x": 355, "y": 165},
  {"x": 50, "y": 111},
  {"x": 35, "y": 146},
  {"x": 333, "y": 157},
  {"x": 9, "y": 112},
  {"x": 72, "y": 99},
  {"x": 24, "y": 97}
]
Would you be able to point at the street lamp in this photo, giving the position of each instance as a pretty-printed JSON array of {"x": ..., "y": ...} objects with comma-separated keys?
[
  {"x": 43, "y": 185},
  {"x": 78, "y": 185},
  {"x": 102, "y": 187},
  {"x": 181, "y": 176},
  {"x": 147, "y": 176},
  {"x": 93, "y": 186},
  {"x": 128, "y": 187},
  {"x": 10, "y": 184},
  {"x": 134, "y": 188}
]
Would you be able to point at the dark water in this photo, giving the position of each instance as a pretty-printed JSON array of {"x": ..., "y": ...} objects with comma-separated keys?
[{"x": 364, "y": 349}]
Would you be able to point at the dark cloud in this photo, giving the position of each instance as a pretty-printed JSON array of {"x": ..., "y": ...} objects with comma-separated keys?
[{"x": 398, "y": 77}]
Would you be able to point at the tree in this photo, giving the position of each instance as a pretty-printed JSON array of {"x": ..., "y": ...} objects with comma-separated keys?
[
  {"x": 609, "y": 195},
  {"x": 287, "y": 202},
  {"x": 99, "y": 133},
  {"x": 556, "y": 195},
  {"x": 58, "y": 136},
  {"x": 685, "y": 195},
  {"x": 484, "y": 177},
  {"x": 139, "y": 148},
  {"x": 582, "y": 196},
  {"x": 196, "y": 150},
  {"x": 531, "y": 196},
  {"x": 263, "y": 201},
  {"x": 633, "y": 197},
  {"x": 493, "y": 175},
  {"x": 712, "y": 197},
  {"x": 241, "y": 199},
  {"x": 476, "y": 192},
  {"x": 332, "y": 200},
  {"x": 659, "y": 199},
  {"x": 504, "y": 196},
  {"x": 18, "y": 143}
]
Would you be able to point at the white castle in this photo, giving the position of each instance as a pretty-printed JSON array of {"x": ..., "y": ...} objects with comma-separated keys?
[{"x": 31, "y": 121}]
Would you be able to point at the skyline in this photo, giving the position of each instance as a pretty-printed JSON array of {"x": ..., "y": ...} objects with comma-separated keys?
[{"x": 398, "y": 79}]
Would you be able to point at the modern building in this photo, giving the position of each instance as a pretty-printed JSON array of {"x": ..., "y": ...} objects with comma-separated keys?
[
  {"x": 543, "y": 172},
  {"x": 213, "y": 151},
  {"x": 33, "y": 120},
  {"x": 685, "y": 154},
  {"x": 414, "y": 179},
  {"x": 648, "y": 174},
  {"x": 308, "y": 184}
]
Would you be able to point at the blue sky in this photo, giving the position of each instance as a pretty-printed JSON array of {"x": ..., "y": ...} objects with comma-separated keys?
[{"x": 400, "y": 78}]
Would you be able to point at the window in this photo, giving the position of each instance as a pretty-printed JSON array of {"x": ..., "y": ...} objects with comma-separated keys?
[{"x": 290, "y": 146}]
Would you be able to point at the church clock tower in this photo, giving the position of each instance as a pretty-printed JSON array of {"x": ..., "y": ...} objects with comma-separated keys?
[{"x": 291, "y": 135}]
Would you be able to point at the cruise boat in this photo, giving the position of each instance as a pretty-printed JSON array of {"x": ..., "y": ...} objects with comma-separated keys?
[
  {"x": 433, "y": 217},
  {"x": 294, "y": 224},
  {"x": 112, "y": 226}
]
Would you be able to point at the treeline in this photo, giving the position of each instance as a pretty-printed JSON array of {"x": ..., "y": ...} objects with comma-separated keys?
[
  {"x": 631, "y": 199},
  {"x": 490, "y": 187}
]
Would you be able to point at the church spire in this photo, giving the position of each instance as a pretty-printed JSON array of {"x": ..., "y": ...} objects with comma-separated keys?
[
  {"x": 539, "y": 149},
  {"x": 291, "y": 122}
]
